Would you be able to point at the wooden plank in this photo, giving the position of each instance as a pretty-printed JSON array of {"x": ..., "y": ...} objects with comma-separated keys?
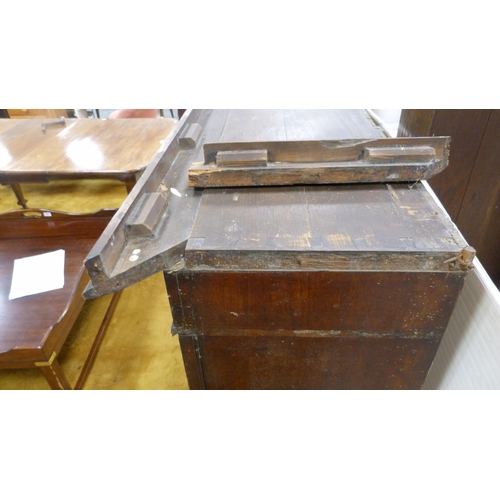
[
  {"x": 321, "y": 330},
  {"x": 323, "y": 162},
  {"x": 312, "y": 173},
  {"x": 190, "y": 136},
  {"x": 416, "y": 122},
  {"x": 324, "y": 150},
  {"x": 297, "y": 125},
  {"x": 249, "y": 158},
  {"x": 254, "y": 125},
  {"x": 399, "y": 153},
  {"x": 479, "y": 216},
  {"x": 359, "y": 123},
  {"x": 253, "y": 362},
  {"x": 327, "y": 123},
  {"x": 342, "y": 227},
  {"x": 469, "y": 187},
  {"x": 109, "y": 263},
  {"x": 279, "y": 301},
  {"x": 466, "y": 127},
  {"x": 145, "y": 220}
]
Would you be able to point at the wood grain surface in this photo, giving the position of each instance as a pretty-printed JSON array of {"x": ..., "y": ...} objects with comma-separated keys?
[
  {"x": 33, "y": 327},
  {"x": 89, "y": 148},
  {"x": 470, "y": 187},
  {"x": 296, "y": 287}
]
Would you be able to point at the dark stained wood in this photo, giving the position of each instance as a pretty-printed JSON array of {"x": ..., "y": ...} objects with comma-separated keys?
[
  {"x": 413, "y": 303},
  {"x": 329, "y": 150},
  {"x": 33, "y": 329},
  {"x": 469, "y": 188},
  {"x": 313, "y": 330},
  {"x": 466, "y": 128},
  {"x": 479, "y": 216},
  {"x": 288, "y": 174},
  {"x": 315, "y": 362},
  {"x": 416, "y": 122},
  {"x": 145, "y": 220},
  {"x": 389, "y": 227},
  {"x": 190, "y": 136},
  {"x": 167, "y": 172},
  {"x": 293, "y": 287},
  {"x": 320, "y": 162},
  {"x": 191, "y": 355}
]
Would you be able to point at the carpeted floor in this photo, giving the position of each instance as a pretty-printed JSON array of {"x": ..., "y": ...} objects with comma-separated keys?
[{"x": 138, "y": 351}]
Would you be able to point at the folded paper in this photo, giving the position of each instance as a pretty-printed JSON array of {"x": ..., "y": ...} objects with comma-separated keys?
[{"x": 37, "y": 274}]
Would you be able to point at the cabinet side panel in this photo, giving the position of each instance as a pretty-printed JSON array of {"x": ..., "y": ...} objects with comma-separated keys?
[
  {"x": 249, "y": 362},
  {"x": 479, "y": 218},
  {"x": 466, "y": 127},
  {"x": 399, "y": 303},
  {"x": 415, "y": 122},
  {"x": 192, "y": 364}
]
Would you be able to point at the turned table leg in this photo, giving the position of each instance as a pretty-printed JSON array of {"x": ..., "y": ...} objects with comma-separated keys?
[{"x": 19, "y": 195}]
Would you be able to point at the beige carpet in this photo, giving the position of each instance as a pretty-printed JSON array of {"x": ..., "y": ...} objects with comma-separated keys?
[{"x": 138, "y": 351}]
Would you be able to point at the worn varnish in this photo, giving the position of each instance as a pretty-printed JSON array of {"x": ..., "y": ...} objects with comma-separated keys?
[
  {"x": 291, "y": 287},
  {"x": 282, "y": 163}
]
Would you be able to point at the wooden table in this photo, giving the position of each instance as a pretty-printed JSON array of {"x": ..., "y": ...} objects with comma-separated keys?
[
  {"x": 82, "y": 149},
  {"x": 308, "y": 286},
  {"x": 34, "y": 328}
]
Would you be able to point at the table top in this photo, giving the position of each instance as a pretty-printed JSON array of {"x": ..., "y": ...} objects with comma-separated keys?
[
  {"x": 91, "y": 147},
  {"x": 391, "y": 227},
  {"x": 28, "y": 324}
]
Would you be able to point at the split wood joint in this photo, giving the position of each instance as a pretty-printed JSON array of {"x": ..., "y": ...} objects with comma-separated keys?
[{"x": 464, "y": 258}]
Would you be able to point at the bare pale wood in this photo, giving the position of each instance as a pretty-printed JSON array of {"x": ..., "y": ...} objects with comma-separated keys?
[{"x": 245, "y": 158}]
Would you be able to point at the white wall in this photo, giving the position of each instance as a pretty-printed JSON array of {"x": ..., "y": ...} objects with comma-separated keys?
[{"x": 469, "y": 354}]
